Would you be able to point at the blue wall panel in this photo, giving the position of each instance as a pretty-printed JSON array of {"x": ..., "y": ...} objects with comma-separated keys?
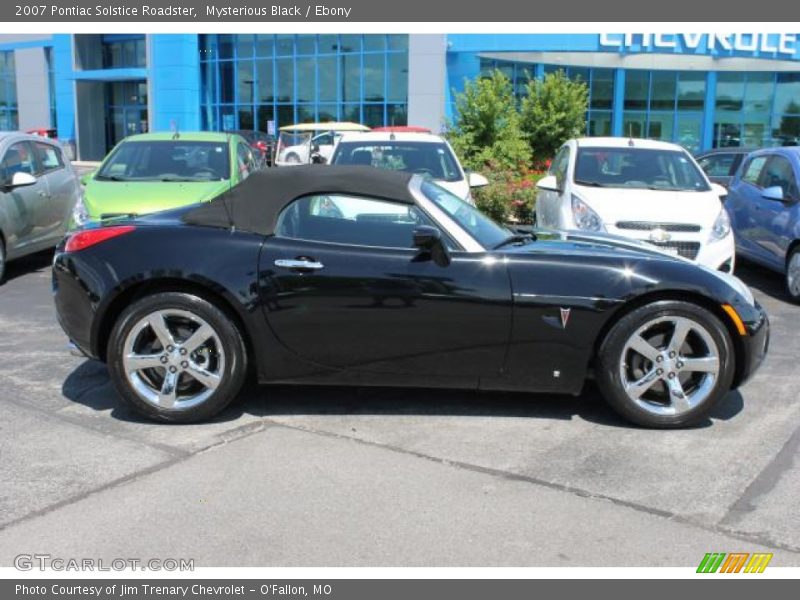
[{"x": 174, "y": 82}]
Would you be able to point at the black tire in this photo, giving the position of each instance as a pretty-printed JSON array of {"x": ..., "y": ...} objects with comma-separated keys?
[
  {"x": 615, "y": 355},
  {"x": 231, "y": 369},
  {"x": 293, "y": 157},
  {"x": 792, "y": 278},
  {"x": 2, "y": 261}
]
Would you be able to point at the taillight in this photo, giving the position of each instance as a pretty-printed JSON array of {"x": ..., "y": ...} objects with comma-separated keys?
[{"x": 85, "y": 239}]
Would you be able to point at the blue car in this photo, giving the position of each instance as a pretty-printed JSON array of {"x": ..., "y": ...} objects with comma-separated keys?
[{"x": 764, "y": 207}]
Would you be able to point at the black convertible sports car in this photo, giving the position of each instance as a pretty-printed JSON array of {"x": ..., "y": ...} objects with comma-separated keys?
[{"x": 353, "y": 275}]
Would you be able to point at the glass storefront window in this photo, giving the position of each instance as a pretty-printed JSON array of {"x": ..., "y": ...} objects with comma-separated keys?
[
  {"x": 244, "y": 46},
  {"x": 289, "y": 78},
  {"x": 245, "y": 81},
  {"x": 306, "y": 81},
  {"x": 759, "y": 92},
  {"x": 306, "y": 44},
  {"x": 285, "y": 70},
  {"x": 662, "y": 91},
  {"x": 599, "y": 123},
  {"x": 634, "y": 124},
  {"x": 9, "y": 119},
  {"x": 265, "y": 45},
  {"x": 688, "y": 130},
  {"x": 691, "y": 90},
  {"x": 265, "y": 90},
  {"x": 637, "y": 85},
  {"x": 730, "y": 91},
  {"x": 374, "y": 78},
  {"x": 602, "y": 89},
  {"x": 787, "y": 93},
  {"x": 659, "y": 126}
]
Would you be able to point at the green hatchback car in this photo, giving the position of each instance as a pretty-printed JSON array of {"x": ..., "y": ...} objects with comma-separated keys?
[{"x": 151, "y": 172}]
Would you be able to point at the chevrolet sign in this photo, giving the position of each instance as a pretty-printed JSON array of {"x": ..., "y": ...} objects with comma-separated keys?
[{"x": 754, "y": 43}]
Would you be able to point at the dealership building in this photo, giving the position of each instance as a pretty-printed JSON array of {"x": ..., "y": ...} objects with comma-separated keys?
[{"x": 696, "y": 89}]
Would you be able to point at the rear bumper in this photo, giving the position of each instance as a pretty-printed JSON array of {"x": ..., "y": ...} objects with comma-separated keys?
[{"x": 75, "y": 309}]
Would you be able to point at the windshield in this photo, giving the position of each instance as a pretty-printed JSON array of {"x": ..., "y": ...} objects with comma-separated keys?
[
  {"x": 485, "y": 231},
  {"x": 426, "y": 158},
  {"x": 640, "y": 168},
  {"x": 168, "y": 160}
]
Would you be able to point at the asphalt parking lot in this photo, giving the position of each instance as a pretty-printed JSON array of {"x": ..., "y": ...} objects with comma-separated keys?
[{"x": 348, "y": 477}]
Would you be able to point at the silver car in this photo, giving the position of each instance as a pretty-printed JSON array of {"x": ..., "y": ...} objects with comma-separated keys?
[{"x": 38, "y": 190}]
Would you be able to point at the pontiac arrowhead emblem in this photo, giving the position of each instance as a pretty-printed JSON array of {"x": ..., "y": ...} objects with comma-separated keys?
[{"x": 564, "y": 317}]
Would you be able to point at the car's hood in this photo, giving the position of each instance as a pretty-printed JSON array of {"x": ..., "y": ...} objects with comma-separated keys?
[
  {"x": 595, "y": 243},
  {"x": 143, "y": 197},
  {"x": 659, "y": 206}
]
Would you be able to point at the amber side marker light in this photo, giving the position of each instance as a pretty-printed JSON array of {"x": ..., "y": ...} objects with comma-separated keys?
[{"x": 737, "y": 320}]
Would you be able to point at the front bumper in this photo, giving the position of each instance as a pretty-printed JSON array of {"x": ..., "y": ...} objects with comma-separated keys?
[{"x": 754, "y": 345}]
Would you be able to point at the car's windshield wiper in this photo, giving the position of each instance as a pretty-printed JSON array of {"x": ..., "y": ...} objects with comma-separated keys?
[
  {"x": 176, "y": 179},
  {"x": 516, "y": 238},
  {"x": 111, "y": 178},
  {"x": 590, "y": 183}
]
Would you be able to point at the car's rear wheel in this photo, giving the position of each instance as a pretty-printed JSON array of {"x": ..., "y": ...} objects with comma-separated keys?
[
  {"x": 666, "y": 364},
  {"x": 176, "y": 357},
  {"x": 793, "y": 275},
  {"x": 293, "y": 158}
]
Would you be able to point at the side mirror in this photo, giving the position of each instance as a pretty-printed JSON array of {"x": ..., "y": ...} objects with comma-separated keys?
[
  {"x": 21, "y": 179},
  {"x": 548, "y": 183},
  {"x": 87, "y": 177},
  {"x": 774, "y": 193},
  {"x": 476, "y": 180},
  {"x": 429, "y": 240},
  {"x": 719, "y": 190}
]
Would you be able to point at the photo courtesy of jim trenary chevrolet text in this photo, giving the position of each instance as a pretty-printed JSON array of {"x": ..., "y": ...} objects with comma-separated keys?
[{"x": 364, "y": 299}]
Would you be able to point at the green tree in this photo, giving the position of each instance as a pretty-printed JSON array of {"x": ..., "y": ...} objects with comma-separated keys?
[
  {"x": 553, "y": 112},
  {"x": 486, "y": 130}
]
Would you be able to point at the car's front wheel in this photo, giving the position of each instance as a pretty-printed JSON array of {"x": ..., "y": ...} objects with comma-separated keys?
[
  {"x": 666, "y": 364},
  {"x": 176, "y": 357},
  {"x": 793, "y": 275}
]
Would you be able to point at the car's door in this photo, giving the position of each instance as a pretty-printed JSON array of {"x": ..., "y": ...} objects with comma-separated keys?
[
  {"x": 720, "y": 166},
  {"x": 744, "y": 204},
  {"x": 26, "y": 208},
  {"x": 62, "y": 184},
  {"x": 548, "y": 201},
  {"x": 773, "y": 217},
  {"x": 343, "y": 287}
]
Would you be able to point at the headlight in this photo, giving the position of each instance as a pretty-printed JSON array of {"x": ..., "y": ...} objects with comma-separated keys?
[
  {"x": 80, "y": 214},
  {"x": 722, "y": 226},
  {"x": 585, "y": 217}
]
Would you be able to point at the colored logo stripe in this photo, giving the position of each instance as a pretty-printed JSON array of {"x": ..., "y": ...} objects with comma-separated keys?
[
  {"x": 734, "y": 563},
  {"x": 758, "y": 562},
  {"x": 711, "y": 562}
]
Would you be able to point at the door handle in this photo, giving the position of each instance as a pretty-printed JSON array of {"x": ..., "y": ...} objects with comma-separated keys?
[
  {"x": 44, "y": 194},
  {"x": 297, "y": 264}
]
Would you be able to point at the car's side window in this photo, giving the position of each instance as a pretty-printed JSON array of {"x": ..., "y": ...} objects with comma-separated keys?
[
  {"x": 778, "y": 172},
  {"x": 351, "y": 220},
  {"x": 18, "y": 159},
  {"x": 49, "y": 156},
  {"x": 752, "y": 171},
  {"x": 244, "y": 160},
  {"x": 560, "y": 165},
  {"x": 718, "y": 165}
]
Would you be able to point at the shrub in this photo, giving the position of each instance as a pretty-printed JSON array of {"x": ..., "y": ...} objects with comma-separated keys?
[
  {"x": 510, "y": 195},
  {"x": 486, "y": 130},
  {"x": 553, "y": 112}
]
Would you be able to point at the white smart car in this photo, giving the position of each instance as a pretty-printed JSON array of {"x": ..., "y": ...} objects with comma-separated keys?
[
  {"x": 642, "y": 189},
  {"x": 422, "y": 153}
]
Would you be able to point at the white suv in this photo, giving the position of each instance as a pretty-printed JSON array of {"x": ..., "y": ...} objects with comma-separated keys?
[
  {"x": 642, "y": 189},
  {"x": 422, "y": 153}
]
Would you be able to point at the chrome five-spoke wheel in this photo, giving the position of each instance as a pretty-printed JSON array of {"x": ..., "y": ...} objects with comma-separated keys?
[
  {"x": 666, "y": 363},
  {"x": 669, "y": 365},
  {"x": 173, "y": 359}
]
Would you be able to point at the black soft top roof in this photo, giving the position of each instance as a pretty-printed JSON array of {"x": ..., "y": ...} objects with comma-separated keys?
[{"x": 254, "y": 204}]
